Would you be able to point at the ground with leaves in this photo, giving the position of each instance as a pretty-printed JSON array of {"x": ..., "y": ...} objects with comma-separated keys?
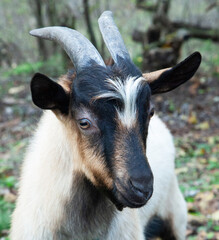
[{"x": 192, "y": 114}]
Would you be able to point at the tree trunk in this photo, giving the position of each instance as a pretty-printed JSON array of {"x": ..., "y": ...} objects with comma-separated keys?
[
  {"x": 36, "y": 5},
  {"x": 162, "y": 41},
  {"x": 88, "y": 22}
]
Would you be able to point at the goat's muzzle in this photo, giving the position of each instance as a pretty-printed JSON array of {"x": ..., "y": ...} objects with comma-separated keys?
[
  {"x": 135, "y": 189},
  {"x": 133, "y": 178},
  {"x": 135, "y": 193}
]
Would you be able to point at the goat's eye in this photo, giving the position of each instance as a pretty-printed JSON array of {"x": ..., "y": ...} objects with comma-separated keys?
[
  {"x": 152, "y": 112},
  {"x": 84, "y": 123}
]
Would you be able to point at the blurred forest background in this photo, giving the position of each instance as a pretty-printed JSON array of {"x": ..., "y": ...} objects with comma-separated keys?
[{"x": 157, "y": 34}]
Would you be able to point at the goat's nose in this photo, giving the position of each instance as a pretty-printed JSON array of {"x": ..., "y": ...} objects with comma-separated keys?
[
  {"x": 139, "y": 186},
  {"x": 142, "y": 190},
  {"x": 142, "y": 181}
]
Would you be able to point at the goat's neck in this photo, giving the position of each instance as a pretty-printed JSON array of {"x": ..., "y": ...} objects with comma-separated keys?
[{"x": 86, "y": 209}]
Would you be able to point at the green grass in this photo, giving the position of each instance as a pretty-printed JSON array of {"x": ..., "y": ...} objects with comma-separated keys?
[
  {"x": 138, "y": 60},
  {"x": 8, "y": 181},
  {"x": 15, "y": 152},
  {"x": 6, "y": 210}
]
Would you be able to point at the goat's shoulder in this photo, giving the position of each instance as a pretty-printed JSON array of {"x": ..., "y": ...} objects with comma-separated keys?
[{"x": 159, "y": 137}]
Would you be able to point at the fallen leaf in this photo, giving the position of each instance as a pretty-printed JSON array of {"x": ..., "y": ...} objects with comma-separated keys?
[
  {"x": 189, "y": 232},
  {"x": 203, "y": 126},
  {"x": 213, "y": 159},
  {"x": 181, "y": 170},
  {"x": 192, "y": 119},
  {"x": 203, "y": 160},
  {"x": 15, "y": 90},
  {"x": 202, "y": 235},
  {"x": 193, "y": 88},
  {"x": 206, "y": 202},
  {"x": 206, "y": 196},
  {"x": 10, "y": 197},
  {"x": 215, "y": 216},
  {"x": 211, "y": 140},
  {"x": 191, "y": 207},
  {"x": 196, "y": 220}
]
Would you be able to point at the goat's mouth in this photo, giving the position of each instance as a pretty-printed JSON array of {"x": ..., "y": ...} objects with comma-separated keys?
[
  {"x": 129, "y": 197},
  {"x": 130, "y": 201}
]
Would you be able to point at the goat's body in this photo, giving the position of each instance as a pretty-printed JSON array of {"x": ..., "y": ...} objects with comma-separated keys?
[
  {"x": 87, "y": 174},
  {"x": 56, "y": 202}
]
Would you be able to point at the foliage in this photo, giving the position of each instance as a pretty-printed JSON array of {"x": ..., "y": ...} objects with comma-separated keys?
[
  {"x": 138, "y": 61},
  {"x": 6, "y": 209},
  {"x": 54, "y": 66},
  {"x": 23, "y": 69},
  {"x": 209, "y": 51},
  {"x": 8, "y": 181}
]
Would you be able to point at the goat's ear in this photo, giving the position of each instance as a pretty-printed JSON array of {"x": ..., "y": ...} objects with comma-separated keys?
[
  {"x": 47, "y": 94},
  {"x": 167, "y": 79}
]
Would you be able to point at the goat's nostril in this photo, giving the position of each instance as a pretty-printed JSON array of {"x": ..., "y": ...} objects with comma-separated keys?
[
  {"x": 141, "y": 189},
  {"x": 138, "y": 186}
]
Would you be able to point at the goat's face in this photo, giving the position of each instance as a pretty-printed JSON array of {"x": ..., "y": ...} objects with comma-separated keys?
[
  {"x": 109, "y": 109},
  {"x": 112, "y": 113}
]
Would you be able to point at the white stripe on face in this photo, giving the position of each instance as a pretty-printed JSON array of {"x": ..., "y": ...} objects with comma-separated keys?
[{"x": 127, "y": 92}]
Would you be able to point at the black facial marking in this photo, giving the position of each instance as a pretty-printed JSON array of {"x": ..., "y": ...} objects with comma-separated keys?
[
  {"x": 108, "y": 138},
  {"x": 93, "y": 82},
  {"x": 126, "y": 68},
  {"x": 143, "y": 108}
]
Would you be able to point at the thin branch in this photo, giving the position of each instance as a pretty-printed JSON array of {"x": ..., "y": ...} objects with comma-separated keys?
[{"x": 88, "y": 22}]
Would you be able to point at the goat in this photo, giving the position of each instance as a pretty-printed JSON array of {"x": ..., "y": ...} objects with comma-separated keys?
[{"x": 99, "y": 165}]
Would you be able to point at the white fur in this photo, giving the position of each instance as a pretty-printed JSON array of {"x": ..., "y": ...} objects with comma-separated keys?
[
  {"x": 46, "y": 184},
  {"x": 127, "y": 92}
]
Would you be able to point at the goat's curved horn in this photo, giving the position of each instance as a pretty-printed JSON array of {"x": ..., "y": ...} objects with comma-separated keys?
[
  {"x": 80, "y": 50},
  {"x": 112, "y": 37}
]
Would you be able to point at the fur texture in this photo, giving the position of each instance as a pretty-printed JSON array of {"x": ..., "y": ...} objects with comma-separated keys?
[
  {"x": 127, "y": 92},
  {"x": 95, "y": 180},
  {"x": 99, "y": 167},
  {"x": 56, "y": 202}
]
